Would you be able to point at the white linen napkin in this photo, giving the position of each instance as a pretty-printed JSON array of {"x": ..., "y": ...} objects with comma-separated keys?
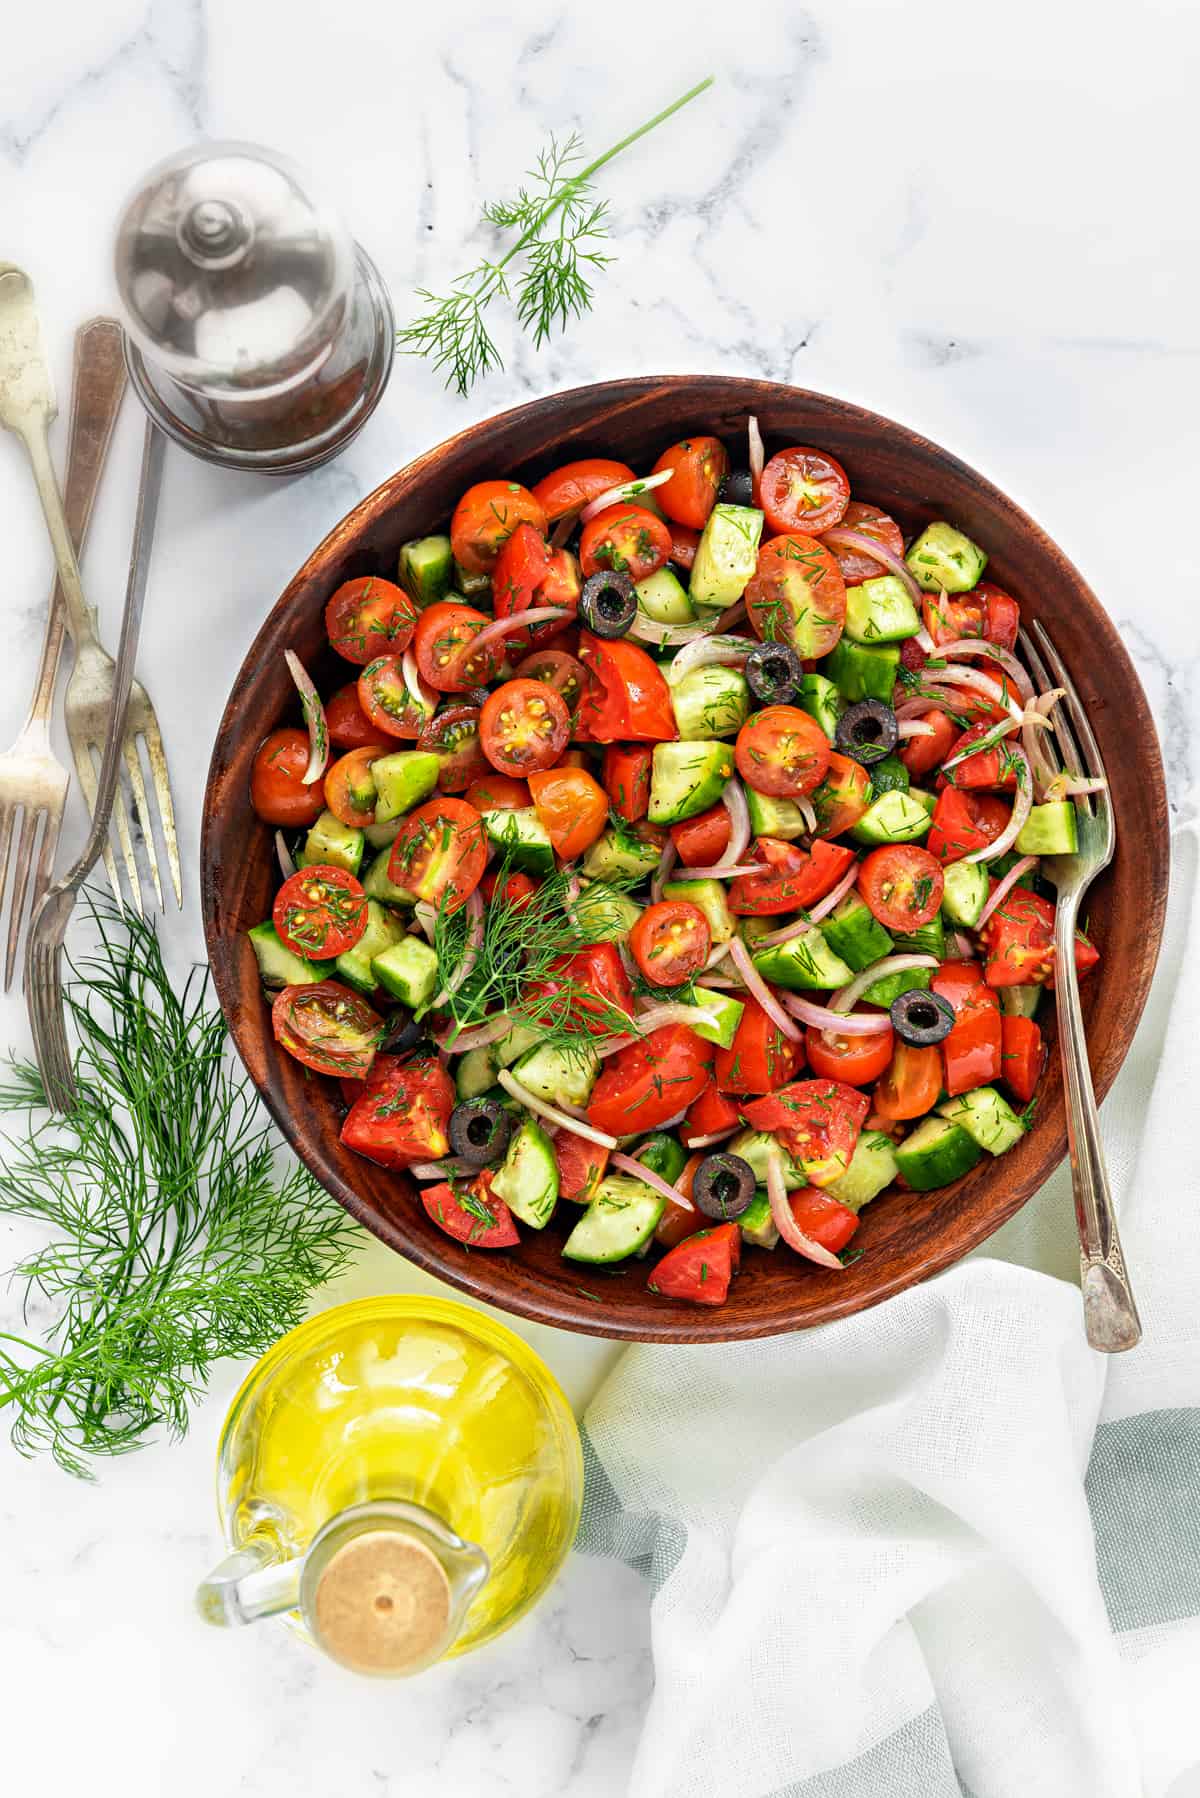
[{"x": 941, "y": 1547}]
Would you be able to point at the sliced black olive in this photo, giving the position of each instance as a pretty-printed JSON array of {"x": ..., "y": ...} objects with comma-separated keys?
[
  {"x": 921, "y": 1018},
  {"x": 867, "y": 731},
  {"x": 403, "y": 1033},
  {"x": 479, "y": 1131},
  {"x": 608, "y": 605},
  {"x": 723, "y": 1187},
  {"x": 737, "y": 489},
  {"x": 774, "y": 672}
]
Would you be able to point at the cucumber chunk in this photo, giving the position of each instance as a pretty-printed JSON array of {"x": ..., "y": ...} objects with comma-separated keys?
[
  {"x": 880, "y": 611},
  {"x": 378, "y": 883},
  {"x": 873, "y": 1166},
  {"x": 819, "y": 697},
  {"x": 686, "y": 779},
  {"x": 1020, "y": 1001},
  {"x": 725, "y": 1009},
  {"x": 986, "y": 1117},
  {"x": 528, "y": 1180},
  {"x": 605, "y": 916},
  {"x": 756, "y": 1223},
  {"x": 662, "y": 599},
  {"x": 425, "y": 569},
  {"x": 556, "y": 1074},
  {"x": 402, "y": 781},
  {"x": 621, "y": 1218},
  {"x": 755, "y": 1148},
  {"x": 381, "y": 836},
  {"x": 619, "y": 854},
  {"x": 965, "y": 892},
  {"x": 520, "y": 1039},
  {"x": 927, "y": 939},
  {"x": 355, "y": 966},
  {"x": 332, "y": 844},
  {"x": 1049, "y": 829},
  {"x": 938, "y": 1152},
  {"x": 803, "y": 963},
  {"x": 771, "y": 817},
  {"x": 408, "y": 971},
  {"x": 944, "y": 557},
  {"x": 854, "y": 932},
  {"x": 523, "y": 838},
  {"x": 710, "y": 702},
  {"x": 882, "y": 992},
  {"x": 710, "y": 897},
  {"x": 863, "y": 671},
  {"x": 279, "y": 966},
  {"x": 726, "y": 556},
  {"x": 660, "y": 1154},
  {"x": 889, "y": 776},
  {"x": 476, "y": 1072},
  {"x": 895, "y": 818}
]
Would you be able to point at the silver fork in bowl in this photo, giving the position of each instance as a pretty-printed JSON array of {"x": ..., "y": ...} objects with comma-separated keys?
[
  {"x": 1109, "y": 1312},
  {"x": 33, "y": 782},
  {"x": 26, "y": 408},
  {"x": 48, "y": 928}
]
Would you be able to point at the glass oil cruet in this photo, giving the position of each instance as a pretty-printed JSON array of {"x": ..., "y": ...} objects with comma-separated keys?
[{"x": 401, "y": 1478}]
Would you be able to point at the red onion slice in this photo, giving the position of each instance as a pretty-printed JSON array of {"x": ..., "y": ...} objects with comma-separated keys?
[
  {"x": 713, "y": 1138},
  {"x": 423, "y": 697},
  {"x": 551, "y": 1113},
  {"x": 734, "y": 801},
  {"x": 701, "y": 652},
  {"x": 662, "y": 873},
  {"x": 844, "y": 538},
  {"x": 1005, "y": 887},
  {"x": 1004, "y": 658},
  {"x": 441, "y": 1170},
  {"x": 785, "y": 1223},
  {"x": 822, "y": 909},
  {"x": 757, "y": 453},
  {"x": 859, "y": 1023},
  {"x": 426, "y": 916},
  {"x": 504, "y": 627},
  {"x": 888, "y": 964},
  {"x": 964, "y": 948},
  {"x": 1066, "y": 786},
  {"x": 734, "y": 615},
  {"x": 719, "y": 871},
  {"x": 667, "y": 636},
  {"x": 1022, "y": 804},
  {"x": 314, "y": 718},
  {"x": 628, "y": 1165},
  {"x": 616, "y": 496},
  {"x": 988, "y": 741},
  {"x": 287, "y": 866},
  {"x": 924, "y": 641},
  {"x": 913, "y": 727},
  {"x": 479, "y": 1036},
  {"x": 758, "y": 989},
  {"x": 979, "y": 683},
  {"x": 916, "y": 708}
]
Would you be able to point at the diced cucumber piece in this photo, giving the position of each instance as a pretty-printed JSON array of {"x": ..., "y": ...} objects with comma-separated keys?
[
  {"x": 330, "y": 843},
  {"x": 555, "y": 1074},
  {"x": 623, "y": 1215},
  {"x": 1004, "y": 864},
  {"x": 522, "y": 838},
  {"x": 686, "y": 779},
  {"x": 475, "y": 588},
  {"x": 985, "y": 1116},
  {"x": 1020, "y": 1001},
  {"x": 279, "y": 966},
  {"x": 661, "y": 1154},
  {"x": 820, "y": 698},
  {"x": 408, "y": 971},
  {"x": 605, "y": 916},
  {"x": 895, "y": 818},
  {"x": 751, "y": 928},
  {"x": 774, "y": 817},
  {"x": 944, "y": 557},
  {"x": 863, "y": 671},
  {"x": 889, "y": 776},
  {"x": 528, "y": 1180},
  {"x": 402, "y": 780},
  {"x": 378, "y": 883},
  {"x": 727, "y": 1012},
  {"x": 927, "y": 939},
  {"x": 803, "y": 963},
  {"x": 520, "y": 1039},
  {"x": 755, "y": 1148},
  {"x": 425, "y": 569},
  {"x": 880, "y": 611},
  {"x": 965, "y": 893},
  {"x": 619, "y": 854},
  {"x": 1049, "y": 829},
  {"x": 355, "y": 966},
  {"x": 710, "y": 702},
  {"x": 726, "y": 556},
  {"x": 476, "y": 1072},
  {"x": 883, "y": 992},
  {"x": 855, "y": 933},
  {"x": 662, "y": 599},
  {"x": 873, "y": 1166},
  {"x": 937, "y": 1152},
  {"x": 382, "y": 836},
  {"x": 756, "y": 1223},
  {"x": 710, "y": 897}
]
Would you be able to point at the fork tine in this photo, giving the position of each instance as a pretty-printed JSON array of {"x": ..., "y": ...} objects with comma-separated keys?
[
  {"x": 87, "y": 786},
  {"x": 7, "y": 816},
  {"x": 121, "y": 818},
  {"x": 166, "y": 811},
  {"x": 1060, "y": 731},
  {"x": 21, "y": 866},
  {"x": 1091, "y": 749},
  {"x": 45, "y": 868},
  {"x": 49, "y": 1027},
  {"x": 142, "y": 810}
]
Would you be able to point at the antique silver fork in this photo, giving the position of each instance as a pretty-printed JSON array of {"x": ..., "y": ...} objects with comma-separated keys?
[
  {"x": 33, "y": 782},
  {"x": 1109, "y": 1312},
  {"x": 26, "y": 406},
  {"x": 43, "y": 951}
]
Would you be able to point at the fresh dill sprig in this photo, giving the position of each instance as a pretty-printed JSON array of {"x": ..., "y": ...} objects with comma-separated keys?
[
  {"x": 560, "y": 228},
  {"x": 175, "y": 1240}
]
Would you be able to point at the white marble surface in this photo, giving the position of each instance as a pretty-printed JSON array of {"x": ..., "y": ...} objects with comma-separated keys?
[{"x": 974, "y": 219}]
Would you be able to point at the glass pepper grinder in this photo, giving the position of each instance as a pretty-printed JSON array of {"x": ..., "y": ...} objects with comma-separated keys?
[{"x": 259, "y": 334}]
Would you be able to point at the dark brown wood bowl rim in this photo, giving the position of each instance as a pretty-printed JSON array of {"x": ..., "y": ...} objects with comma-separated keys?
[{"x": 483, "y": 1277}]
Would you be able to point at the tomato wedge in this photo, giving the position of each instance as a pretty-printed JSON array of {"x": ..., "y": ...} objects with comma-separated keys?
[
  {"x": 327, "y": 1027},
  {"x": 957, "y": 829},
  {"x": 440, "y": 853},
  {"x": 782, "y": 751},
  {"x": 572, "y": 806},
  {"x": 791, "y": 879},
  {"x": 910, "y": 1085},
  {"x": 760, "y": 1058},
  {"x": 402, "y": 1113},
  {"x": 1018, "y": 941},
  {"x": 856, "y": 1060},
  {"x": 627, "y": 768},
  {"x": 868, "y": 521},
  {"x": 524, "y": 727},
  {"x": 803, "y": 490},
  {"x": 684, "y": 544},
  {"x": 821, "y": 1218},
  {"x": 486, "y": 517},
  {"x": 670, "y": 942},
  {"x": 441, "y": 638},
  {"x": 700, "y": 1268},
  {"x": 471, "y": 1213},
  {"x": 902, "y": 886},
  {"x": 680, "y": 1221},
  {"x": 994, "y": 767},
  {"x": 277, "y": 790},
  {"x": 817, "y": 1121},
  {"x": 370, "y": 617},
  {"x": 626, "y": 538},
  {"x": 581, "y": 1166},
  {"x": 971, "y": 1054},
  {"x": 529, "y": 573},
  {"x": 698, "y": 466},
  {"x": 710, "y": 1113},
  {"x": 1022, "y": 1056},
  {"x": 921, "y": 755},
  {"x": 986, "y": 611},
  {"x": 453, "y": 736},
  {"x": 627, "y": 698},
  {"x": 320, "y": 912},
  {"x": 643, "y": 1085},
  {"x": 598, "y": 988},
  {"x": 703, "y": 840},
  {"x": 577, "y": 484},
  {"x": 797, "y": 595}
]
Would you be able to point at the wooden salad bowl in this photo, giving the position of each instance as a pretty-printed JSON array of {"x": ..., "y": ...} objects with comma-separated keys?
[{"x": 904, "y": 1236}]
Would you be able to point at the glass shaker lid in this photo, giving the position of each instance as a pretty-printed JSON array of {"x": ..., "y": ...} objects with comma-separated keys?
[{"x": 234, "y": 275}]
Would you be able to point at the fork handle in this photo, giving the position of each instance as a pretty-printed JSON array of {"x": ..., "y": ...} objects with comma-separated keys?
[
  {"x": 98, "y": 388},
  {"x": 1109, "y": 1312},
  {"x": 35, "y": 435}
]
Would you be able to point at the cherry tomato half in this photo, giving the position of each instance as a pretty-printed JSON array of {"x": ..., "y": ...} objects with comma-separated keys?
[
  {"x": 792, "y": 877},
  {"x": 350, "y": 791},
  {"x": 384, "y": 695},
  {"x": 921, "y": 755},
  {"x": 320, "y": 912},
  {"x": 440, "y": 853},
  {"x": 671, "y": 941},
  {"x": 453, "y": 736},
  {"x": 402, "y": 1114},
  {"x": 698, "y": 466},
  {"x": 529, "y": 574},
  {"x": 349, "y": 726},
  {"x": 277, "y": 790},
  {"x": 797, "y": 595},
  {"x": 370, "y": 617},
  {"x": 524, "y": 726},
  {"x": 576, "y": 484},
  {"x": 868, "y": 521},
  {"x": 627, "y": 770},
  {"x": 565, "y": 673},
  {"x": 486, "y": 517},
  {"x": 498, "y": 793},
  {"x": 627, "y": 698},
  {"x": 858, "y": 1060},
  {"x": 902, "y": 885},
  {"x": 842, "y": 796},
  {"x": 803, "y": 490},
  {"x": 626, "y": 538},
  {"x": 782, "y": 751},
  {"x": 327, "y": 1027},
  {"x": 572, "y": 806},
  {"x": 443, "y": 633}
]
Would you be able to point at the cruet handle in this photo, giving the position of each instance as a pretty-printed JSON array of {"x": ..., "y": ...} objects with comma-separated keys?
[{"x": 248, "y": 1585}]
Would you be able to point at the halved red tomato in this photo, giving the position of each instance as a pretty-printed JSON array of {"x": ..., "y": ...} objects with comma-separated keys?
[
  {"x": 817, "y": 1121},
  {"x": 471, "y": 1213},
  {"x": 698, "y": 466},
  {"x": 524, "y": 727},
  {"x": 858, "y": 1060},
  {"x": 442, "y": 635},
  {"x": 370, "y": 617},
  {"x": 791, "y": 879},
  {"x": 350, "y": 792},
  {"x": 703, "y": 840},
  {"x": 760, "y": 1058},
  {"x": 679, "y": 1221},
  {"x": 902, "y": 886},
  {"x": 516, "y": 891},
  {"x": 782, "y": 751},
  {"x": 971, "y": 1054},
  {"x": 822, "y": 1219},
  {"x": 910, "y": 1085},
  {"x": 797, "y": 595},
  {"x": 277, "y": 790},
  {"x": 994, "y": 767},
  {"x": 577, "y": 484},
  {"x": 598, "y": 990},
  {"x": 581, "y": 1166},
  {"x": 868, "y": 521},
  {"x": 440, "y": 853},
  {"x": 701, "y": 1267},
  {"x": 402, "y": 1113},
  {"x": 958, "y": 826},
  {"x": 349, "y": 726},
  {"x": 453, "y": 736},
  {"x": 498, "y": 793},
  {"x": 709, "y": 1114},
  {"x": 327, "y": 1027},
  {"x": 842, "y": 797},
  {"x": 572, "y": 806},
  {"x": 1022, "y": 1056},
  {"x": 486, "y": 517},
  {"x": 627, "y": 698},
  {"x": 803, "y": 490},
  {"x": 529, "y": 573},
  {"x": 320, "y": 912},
  {"x": 626, "y": 538},
  {"x": 384, "y": 696},
  {"x": 921, "y": 755},
  {"x": 671, "y": 941},
  {"x": 627, "y": 768},
  {"x": 986, "y": 611},
  {"x": 641, "y": 1086},
  {"x": 564, "y": 672}
]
